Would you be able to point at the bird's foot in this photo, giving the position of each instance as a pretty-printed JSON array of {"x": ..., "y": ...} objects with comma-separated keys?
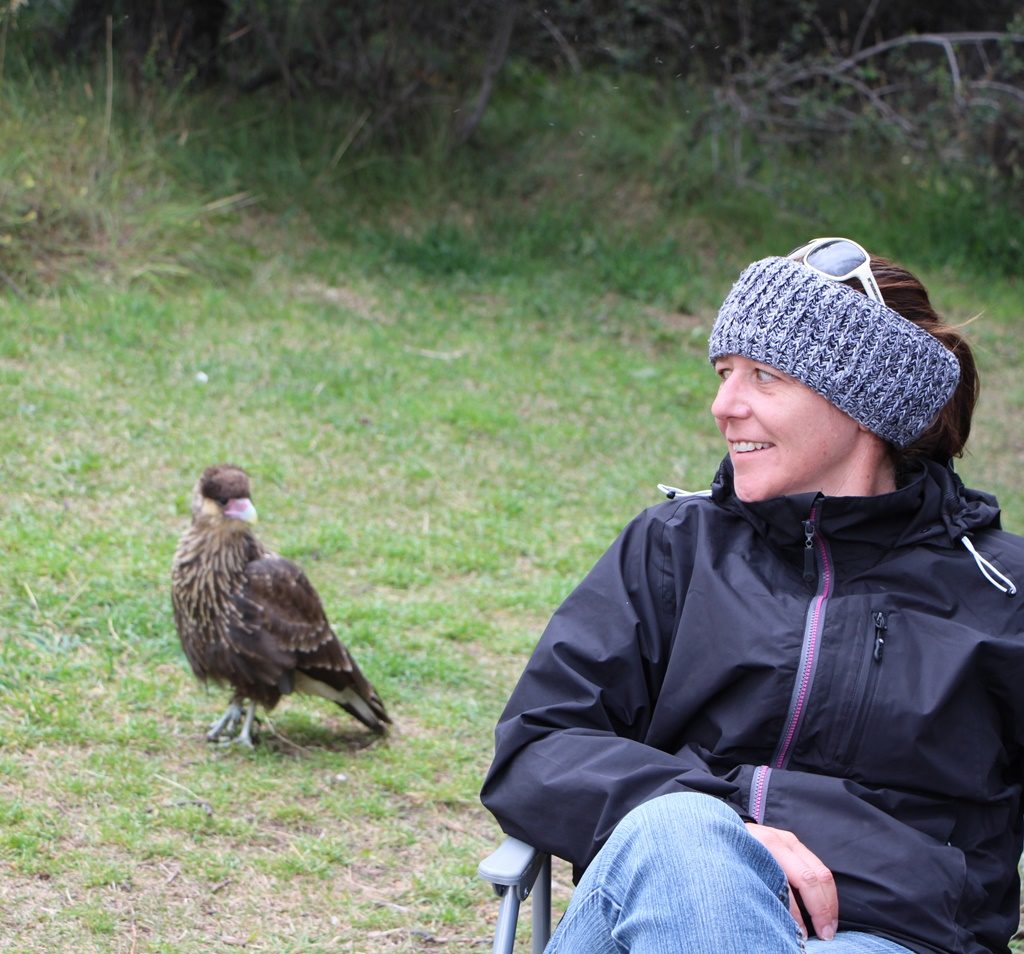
[
  {"x": 245, "y": 739},
  {"x": 224, "y": 727},
  {"x": 245, "y": 736},
  {"x": 222, "y": 731}
]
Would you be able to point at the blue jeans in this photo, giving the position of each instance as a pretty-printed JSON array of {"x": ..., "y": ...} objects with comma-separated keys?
[{"x": 681, "y": 875}]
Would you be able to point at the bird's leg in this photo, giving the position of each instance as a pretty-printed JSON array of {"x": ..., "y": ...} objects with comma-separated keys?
[
  {"x": 228, "y": 722},
  {"x": 245, "y": 736}
]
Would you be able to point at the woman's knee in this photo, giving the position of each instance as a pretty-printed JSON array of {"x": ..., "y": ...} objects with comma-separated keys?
[
  {"x": 695, "y": 850},
  {"x": 682, "y": 816},
  {"x": 678, "y": 826}
]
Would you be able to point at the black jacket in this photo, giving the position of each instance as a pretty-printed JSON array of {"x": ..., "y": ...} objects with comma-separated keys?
[{"x": 844, "y": 668}]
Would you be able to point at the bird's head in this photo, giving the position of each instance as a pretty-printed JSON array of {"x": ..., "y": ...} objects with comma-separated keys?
[{"x": 221, "y": 497}]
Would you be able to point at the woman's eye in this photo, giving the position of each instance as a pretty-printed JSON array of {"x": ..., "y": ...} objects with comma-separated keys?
[{"x": 764, "y": 376}]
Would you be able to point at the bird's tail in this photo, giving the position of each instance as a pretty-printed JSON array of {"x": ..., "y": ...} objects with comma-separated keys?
[
  {"x": 369, "y": 710},
  {"x": 364, "y": 706}
]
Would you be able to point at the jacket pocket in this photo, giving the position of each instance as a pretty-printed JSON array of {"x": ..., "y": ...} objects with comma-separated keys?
[{"x": 872, "y": 641}]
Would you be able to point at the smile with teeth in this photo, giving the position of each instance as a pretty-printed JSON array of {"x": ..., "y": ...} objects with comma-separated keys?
[{"x": 745, "y": 447}]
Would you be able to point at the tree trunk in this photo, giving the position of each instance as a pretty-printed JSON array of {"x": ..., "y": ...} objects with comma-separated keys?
[{"x": 495, "y": 60}]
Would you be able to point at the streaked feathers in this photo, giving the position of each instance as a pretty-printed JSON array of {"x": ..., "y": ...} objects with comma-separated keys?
[{"x": 251, "y": 619}]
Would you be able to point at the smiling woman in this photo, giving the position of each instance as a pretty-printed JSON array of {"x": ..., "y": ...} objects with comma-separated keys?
[
  {"x": 790, "y": 708},
  {"x": 785, "y": 439},
  {"x": 836, "y": 390}
]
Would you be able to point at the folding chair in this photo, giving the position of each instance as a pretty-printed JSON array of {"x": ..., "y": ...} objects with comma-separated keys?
[{"x": 516, "y": 869}]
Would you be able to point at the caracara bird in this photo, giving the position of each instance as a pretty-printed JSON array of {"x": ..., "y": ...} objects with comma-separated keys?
[{"x": 251, "y": 620}]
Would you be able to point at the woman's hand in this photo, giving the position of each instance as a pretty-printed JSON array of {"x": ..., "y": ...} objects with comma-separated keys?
[{"x": 807, "y": 877}]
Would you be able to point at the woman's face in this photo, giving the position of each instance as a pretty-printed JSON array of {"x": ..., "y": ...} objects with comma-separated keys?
[{"x": 785, "y": 438}]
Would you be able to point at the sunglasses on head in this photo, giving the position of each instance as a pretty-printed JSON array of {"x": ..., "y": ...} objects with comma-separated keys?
[{"x": 839, "y": 259}]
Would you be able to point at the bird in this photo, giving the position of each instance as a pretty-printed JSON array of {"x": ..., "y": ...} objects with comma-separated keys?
[{"x": 251, "y": 620}]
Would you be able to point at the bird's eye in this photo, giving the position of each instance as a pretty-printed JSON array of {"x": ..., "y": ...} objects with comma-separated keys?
[{"x": 223, "y": 501}]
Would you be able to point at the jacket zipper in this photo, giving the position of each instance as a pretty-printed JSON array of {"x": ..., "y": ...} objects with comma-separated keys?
[
  {"x": 815, "y": 551},
  {"x": 758, "y": 792},
  {"x": 881, "y": 629},
  {"x": 809, "y": 529}
]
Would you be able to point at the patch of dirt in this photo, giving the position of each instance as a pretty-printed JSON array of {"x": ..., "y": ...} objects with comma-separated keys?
[{"x": 348, "y": 298}]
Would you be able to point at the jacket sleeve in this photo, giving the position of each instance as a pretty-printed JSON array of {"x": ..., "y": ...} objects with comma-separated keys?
[{"x": 570, "y": 757}]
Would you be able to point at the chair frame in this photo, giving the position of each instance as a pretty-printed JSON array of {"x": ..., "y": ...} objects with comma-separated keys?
[{"x": 516, "y": 869}]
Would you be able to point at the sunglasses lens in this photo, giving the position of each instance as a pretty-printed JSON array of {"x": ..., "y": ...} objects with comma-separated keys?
[{"x": 837, "y": 258}]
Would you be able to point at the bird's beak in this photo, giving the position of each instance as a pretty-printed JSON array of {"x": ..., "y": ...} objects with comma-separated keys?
[{"x": 241, "y": 508}]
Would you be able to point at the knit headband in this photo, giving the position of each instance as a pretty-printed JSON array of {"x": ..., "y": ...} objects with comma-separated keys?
[{"x": 866, "y": 359}]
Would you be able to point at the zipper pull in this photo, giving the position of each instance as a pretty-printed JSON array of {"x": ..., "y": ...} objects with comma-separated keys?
[
  {"x": 809, "y": 528},
  {"x": 881, "y": 628}
]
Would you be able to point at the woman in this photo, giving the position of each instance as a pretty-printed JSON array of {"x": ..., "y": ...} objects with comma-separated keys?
[{"x": 793, "y": 706}]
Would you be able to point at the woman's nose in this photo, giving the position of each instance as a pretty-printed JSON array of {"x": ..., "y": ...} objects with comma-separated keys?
[{"x": 729, "y": 400}]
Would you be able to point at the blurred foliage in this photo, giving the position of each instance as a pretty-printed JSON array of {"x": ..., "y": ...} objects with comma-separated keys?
[
  {"x": 222, "y": 103},
  {"x": 945, "y": 79}
]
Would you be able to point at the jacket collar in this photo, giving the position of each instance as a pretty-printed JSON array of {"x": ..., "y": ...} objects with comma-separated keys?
[{"x": 931, "y": 503}]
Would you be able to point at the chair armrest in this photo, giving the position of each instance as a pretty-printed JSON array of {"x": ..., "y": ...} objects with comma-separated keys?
[
  {"x": 513, "y": 864},
  {"x": 514, "y": 869}
]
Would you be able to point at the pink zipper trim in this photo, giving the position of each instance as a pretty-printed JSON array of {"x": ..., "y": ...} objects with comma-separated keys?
[
  {"x": 813, "y": 635},
  {"x": 757, "y": 790}
]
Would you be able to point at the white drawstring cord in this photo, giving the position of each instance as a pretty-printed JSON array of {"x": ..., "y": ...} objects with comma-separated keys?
[
  {"x": 1003, "y": 583},
  {"x": 673, "y": 492}
]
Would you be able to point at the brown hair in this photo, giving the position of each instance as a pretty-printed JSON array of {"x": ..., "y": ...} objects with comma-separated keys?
[{"x": 948, "y": 433}]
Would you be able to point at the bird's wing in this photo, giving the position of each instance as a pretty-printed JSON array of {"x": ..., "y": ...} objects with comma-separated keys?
[
  {"x": 278, "y": 600},
  {"x": 280, "y": 604}
]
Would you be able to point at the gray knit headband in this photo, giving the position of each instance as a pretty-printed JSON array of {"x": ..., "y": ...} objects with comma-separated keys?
[{"x": 866, "y": 359}]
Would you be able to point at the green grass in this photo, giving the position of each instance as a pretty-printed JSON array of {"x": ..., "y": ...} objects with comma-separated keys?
[{"x": 452, "y": 383}]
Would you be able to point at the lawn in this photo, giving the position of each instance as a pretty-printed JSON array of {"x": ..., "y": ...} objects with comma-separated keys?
[
  {"x": 445, "y": 425},
  {"x": 442, "y": 457}
]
